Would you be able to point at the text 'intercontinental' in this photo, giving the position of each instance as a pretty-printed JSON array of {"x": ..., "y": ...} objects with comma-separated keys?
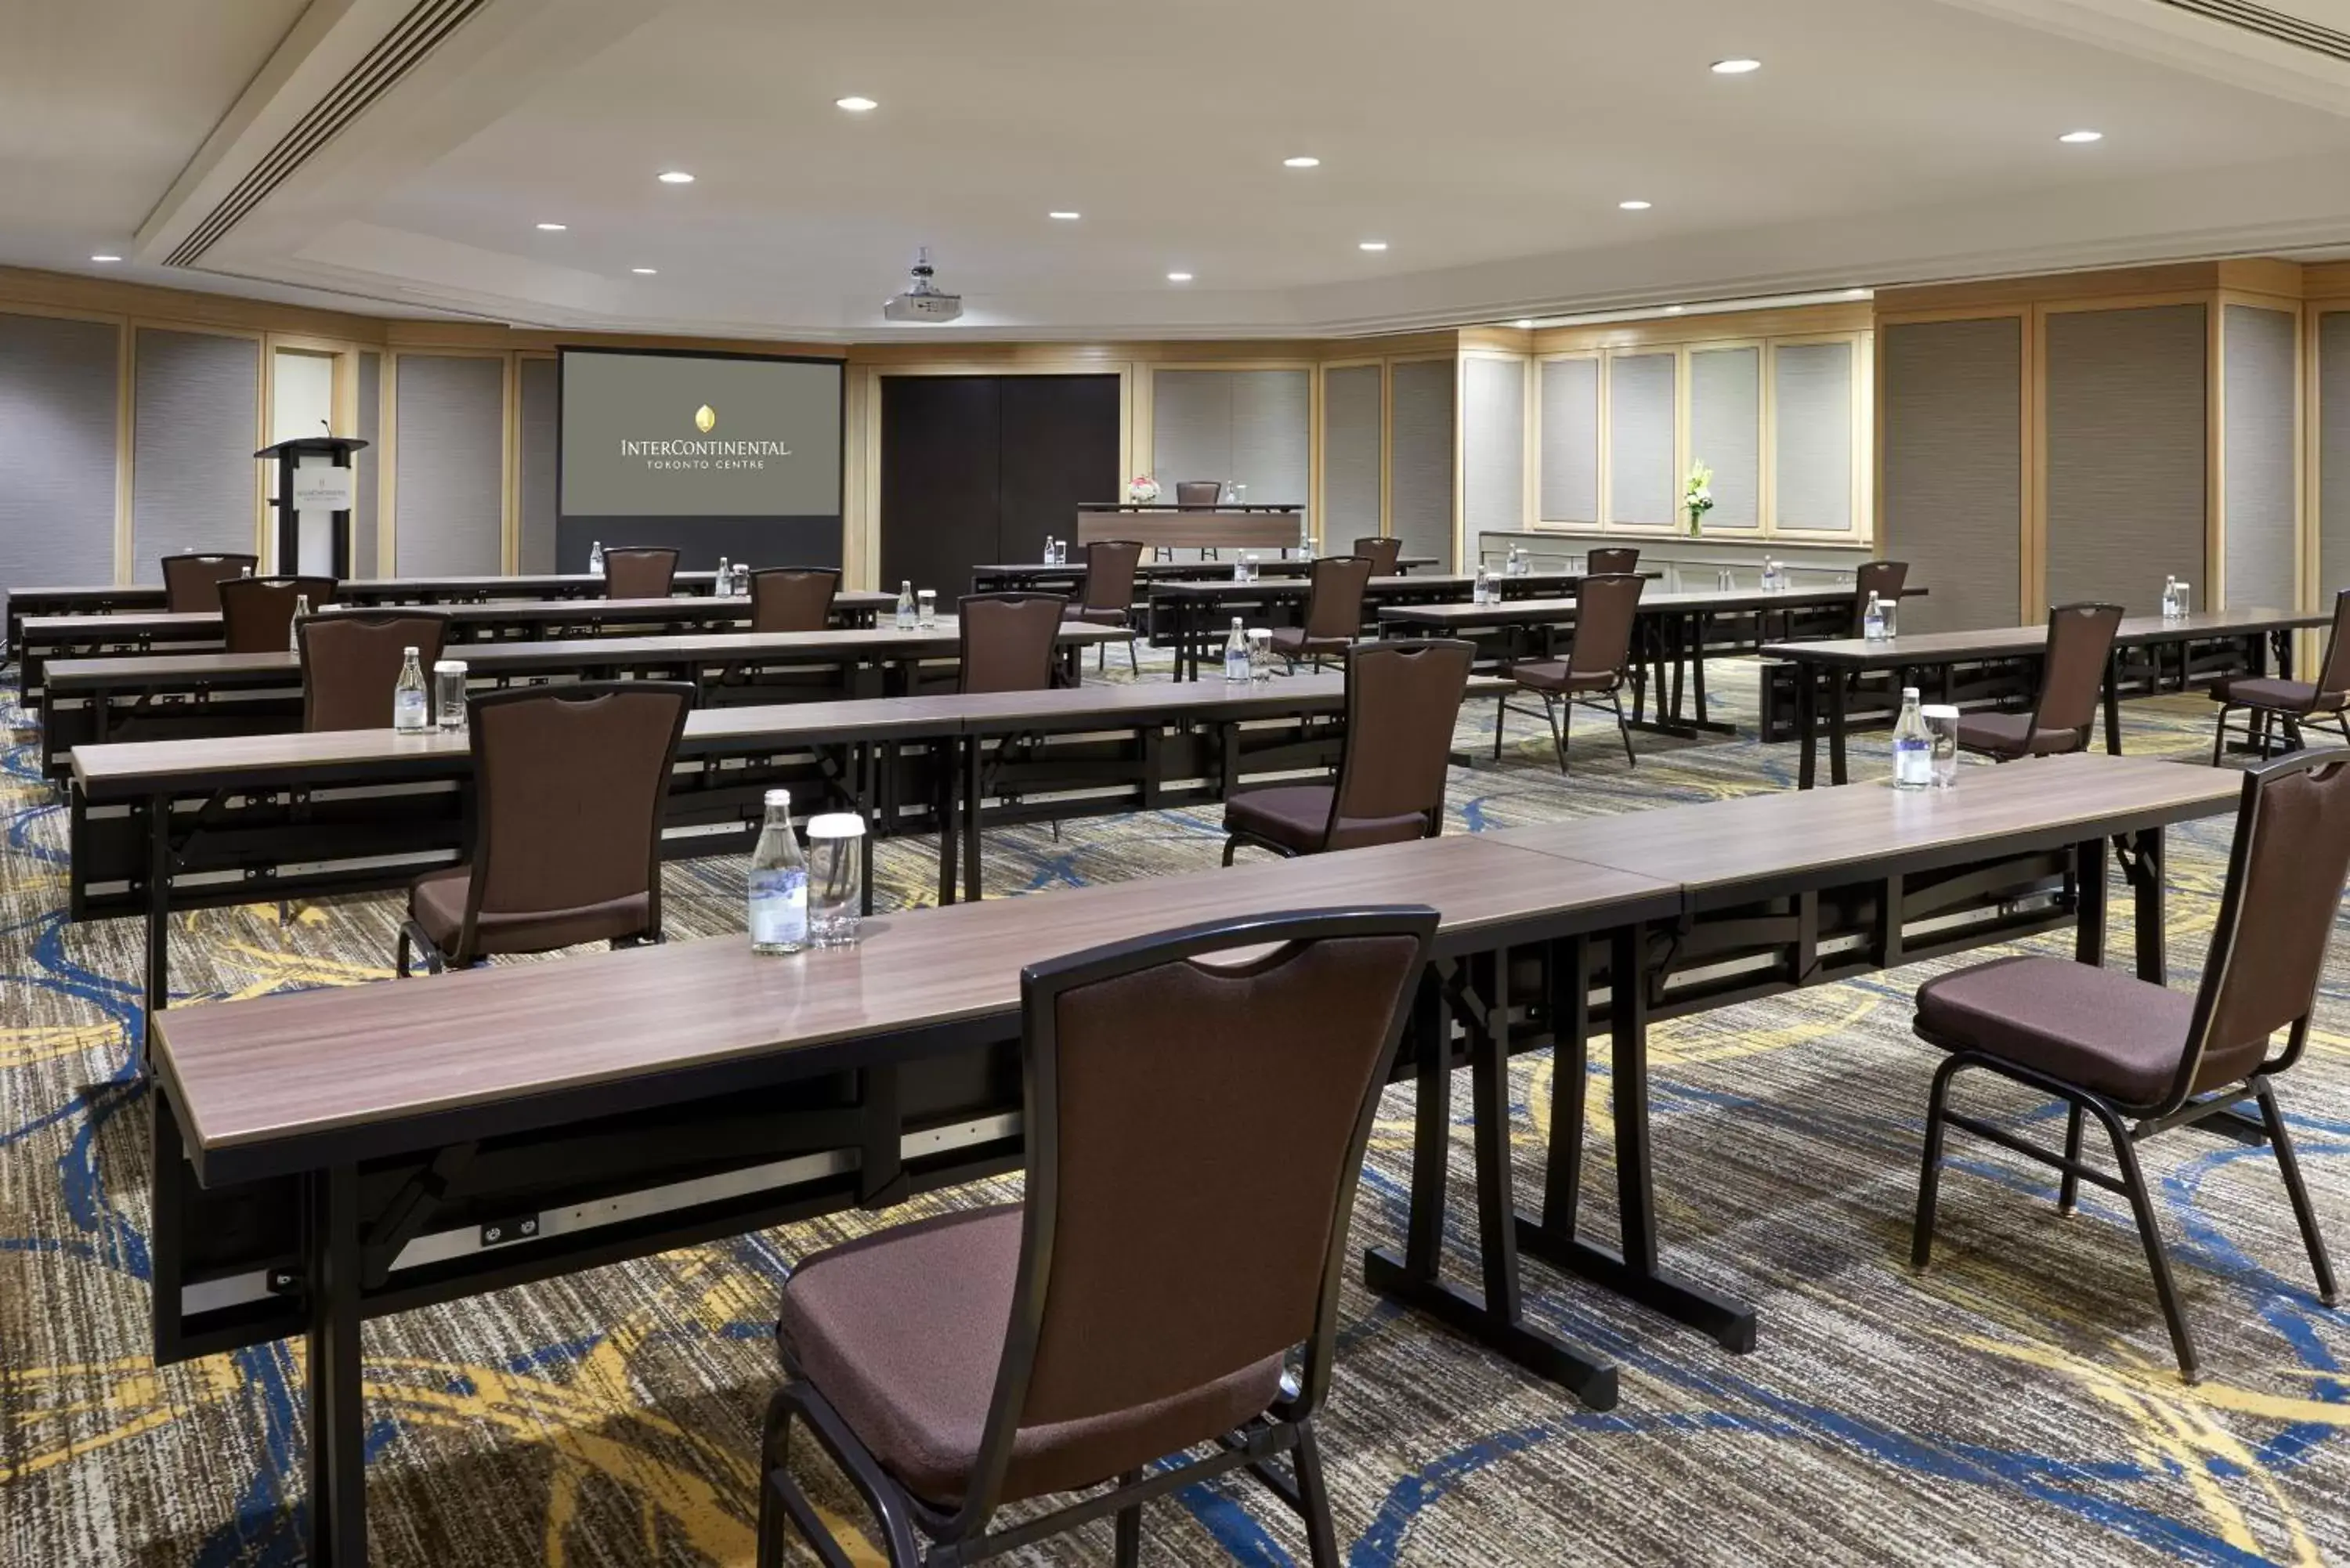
[{"x": 701, "y": 453}]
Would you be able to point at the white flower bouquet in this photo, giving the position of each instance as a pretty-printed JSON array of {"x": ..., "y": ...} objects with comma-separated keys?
[
  {"x": 1697, "y": 495},
  {"x": 1142, "y": 489}
]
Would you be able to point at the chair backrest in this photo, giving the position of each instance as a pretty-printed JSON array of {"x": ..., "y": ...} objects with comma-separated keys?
[
  {"x": 1403, "y": 702},
  {"x": 1604, "y": 609},
  {"x": 258, "y": 613},
  {"x": 2333, "y": 670},
  {"x": 1383, "y": 553},
  {"x": 350, "y": 661},
  {"x": 793, "y": 599},
  {"x": 640, "y": 572},
  {"x": 192, "y": 583},
  {"x": 1609, "y": 560},
  {"x": 2072, "y": 677},
  {"x": 569, "y": 782},
  {"x": 1882, "y": 579},
  {"x": 2286, "y": 875},
  {"x": 1110, "y": 566},
  {"x": 1008, "y": 641},
  {"x": 1333, "y": 597},
  {"x": 1195, "y": 1133},
  {"x": 1199, "y": 491}
]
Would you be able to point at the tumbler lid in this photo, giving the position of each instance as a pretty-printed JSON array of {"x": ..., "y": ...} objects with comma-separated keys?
[{"x": 837, "y": 824}]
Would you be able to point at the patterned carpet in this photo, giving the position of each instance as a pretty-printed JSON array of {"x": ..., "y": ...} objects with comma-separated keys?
[{"x": 2017, "y": 1405}]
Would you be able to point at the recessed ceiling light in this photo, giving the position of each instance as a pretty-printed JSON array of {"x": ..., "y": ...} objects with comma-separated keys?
[
  {"x": 1372, "y": 246},
  {"x": 1179, "y": 277},
  {"x": 105, "y": 258},
  {"x": 1855, "y": 294},
  {"x": 2082, "y": 138},
  {"x": 854, "y": 104},
  {"x": 1636, "y": 206},
  {"x": 676, "y": 177},
  {"x": 1065, "y": 217},
  {"x": 1735, "y": 68},
  {"x": 1675, "y": 309},
  {"x": 645, "y": 271},
  {"x": 1526, "y": 325},
  {"x": 1301, "y": 161},
  {"x": 553, "y": 228}
]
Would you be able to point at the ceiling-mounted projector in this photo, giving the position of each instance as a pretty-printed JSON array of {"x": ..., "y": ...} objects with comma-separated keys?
[{"x": 922, "y": 301}]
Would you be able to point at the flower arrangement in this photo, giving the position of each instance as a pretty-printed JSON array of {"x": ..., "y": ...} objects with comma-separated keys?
[
  {"x": 1143, "y": 488},
  {"x": 1697, "y": 495}
]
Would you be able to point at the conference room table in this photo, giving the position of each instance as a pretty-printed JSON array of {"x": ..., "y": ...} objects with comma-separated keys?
[
  {"x": 2257, "y": 640},
  {"x": 325, "y": 1156},
  {"x": 187, "y": 696},
  {"x": 1197, "y": 613},
  {"x": 115, "y": 598},
  {"x": 1000, "y": 576}
]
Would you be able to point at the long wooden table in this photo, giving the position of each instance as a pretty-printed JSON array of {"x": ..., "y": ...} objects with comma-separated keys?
[
  {"x": 1196, "y": 614},
  {"x": 2251, "y": 638},
  {"x": 999, "y": 577},
  {"x": 327, "y": 1156},
  {"x": 1164, "y": 525},
  {"x": 189, "y": 696}
]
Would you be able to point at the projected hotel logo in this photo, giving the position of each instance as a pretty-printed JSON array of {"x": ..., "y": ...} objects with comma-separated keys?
[{"x": 686, "y": 454}]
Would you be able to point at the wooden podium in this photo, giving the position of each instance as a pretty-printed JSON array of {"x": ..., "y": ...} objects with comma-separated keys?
[{"x": 315, "y": 483}]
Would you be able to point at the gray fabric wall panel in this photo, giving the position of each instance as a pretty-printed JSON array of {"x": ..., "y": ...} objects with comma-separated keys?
[
  {"x": 1245, "y": 426},
  {"x": 1570, "y": 440},
  {"x": 1643, "y": 485},
  {"x": 59, "y": 398},
  {"x": 1812, "y": 457},
  {"x": 1726, "y": 432},
  {"x": 196, "y": 401},
  {"x": 1351, "y": 460},
  {"x": 2258, "y": 476},
  {"x": 535, "y": 453},
  {"x": 363, "y": 464},
  {"x": 1420, "y": 459},
  {"x": 2126, "y": 423},
  {"x": 1954, "y": 474},
  {"x": 2333, "y": 454},
  {"x": 1493, "y": 445},
  {"x": 451, "y": 465}
]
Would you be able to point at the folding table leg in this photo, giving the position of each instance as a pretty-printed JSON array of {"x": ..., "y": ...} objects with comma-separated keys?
[{"x": 337, "y": 1460}]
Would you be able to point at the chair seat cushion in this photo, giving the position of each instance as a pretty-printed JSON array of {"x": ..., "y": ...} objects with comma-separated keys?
[
  {"x": 1094, "y": 616},
  {"x": 436, "y": 902},
  {"x": 1297, "y": 817},
  {"x": 2267, "y": 691},
  {"x": 2012, "y": 736},
  {"x": 2104, "y": 1030},
  {"x": 902, "y": 1333},
  {"x": 1554, "y": 675},
  {"x": 1293, "y": 640}
]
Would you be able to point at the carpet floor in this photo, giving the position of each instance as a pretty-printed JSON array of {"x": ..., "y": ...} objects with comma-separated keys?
[{"x": 2017, "y": 1404}]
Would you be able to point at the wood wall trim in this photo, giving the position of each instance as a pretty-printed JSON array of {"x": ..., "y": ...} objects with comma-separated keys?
[
  {"x": 1731, "y": 326},
  {"x": 22, "y": 289}
]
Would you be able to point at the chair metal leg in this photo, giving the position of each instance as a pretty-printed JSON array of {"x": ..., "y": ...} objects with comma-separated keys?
[
  {"x": 1231, "y": 847},
  {"x": 1623, "y": 730},
  {"x": 1314, "y": 1500},
  {"x": 1929, "y": 1174},
  {"x": 2289, "y": 1167},
  {"x": 1129, "y": 1527},
  {"x": 400, "y": 965},
  {"x": 1558, "y": 738},
  {"x": 2220, "y": 733},
  {"x": 2182, "y": 1341},
  {"x": 2068, "y": 1193},
  {"x": 1500, "y": 723}
]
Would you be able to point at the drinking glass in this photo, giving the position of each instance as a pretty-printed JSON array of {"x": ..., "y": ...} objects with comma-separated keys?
[
  {"x": 1942, "y": 732},
  {"x": 926, "y": 607},
  {"x": 1259, "y": 640},
  {"x": 836, "y": 889},
  {"x": 1726, "y": 580},
  {"x": 448, "y": 692}
]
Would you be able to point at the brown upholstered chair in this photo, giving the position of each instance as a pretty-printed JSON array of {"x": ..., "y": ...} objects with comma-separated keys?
[
  {"x": 2122, "y": 1049},
  {"x": 793, "y": 599},
  {"x": 1195, "y": 1132},
  {"x": 191, "y": 582},
  {"x": 2072, "y": 684},
  {"x": 640, "y": 572},
  {"x": 1333, "y": 611},
  {"x": 1885, "y": 579},
  {"x": 1403, "y": 701},
  {"x": 1612, "y": 560},
  {"x": 1384, "y": 553},
  {"x": 1008, "y": 641},
  {"x": 1199, "y": 491},
  {"x": 258, "y": 613},
  {"x": 1596, "y": 667},
  {"x": 568, "y": 786},
  {"x": 1108, "y": 594},
  {"x": 351, "y": 662},
  {"x": 2275, "y": 704}
]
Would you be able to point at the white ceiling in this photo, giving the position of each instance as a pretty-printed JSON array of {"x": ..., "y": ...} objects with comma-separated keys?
[{"x": 1487, "y": 141}]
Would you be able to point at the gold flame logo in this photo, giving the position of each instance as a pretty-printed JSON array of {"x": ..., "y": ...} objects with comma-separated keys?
[{"x": 705, "y": 420}]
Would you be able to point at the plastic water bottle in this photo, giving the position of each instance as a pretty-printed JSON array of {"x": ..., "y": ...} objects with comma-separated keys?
[
  {"x": 1236, "y": 655},
  {"x": 294, "y": 623},
  {"x": 596, "y": 558},
  {"x": 724, "y": 581},
  {"x": 779, "y": 882},
  {"x": 2173, "y": 605},
  {"x": 411, "y": 707},
  {"x": 1872, "y": 619},
  {"x": 1770, "y": 574},
  {"x": 906, "y": 606},
  {"x": 1051, "y": 559},
  {"x": 1913, "y": 747}
]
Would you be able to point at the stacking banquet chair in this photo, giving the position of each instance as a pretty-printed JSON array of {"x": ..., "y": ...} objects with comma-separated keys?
[
  {"x": 1008, "y": 641},
  {"x": 1383, "y": 553},
  {"x": 2072, "y": 683},
  {"x": 1195, "y": 1135},
  {"x": 1611, "y": 560},
  {"x": 2122, "y": 1049},
  {"x": 1403, "y": 700},
  {"x": 192, "y": 583},
  {"x": 1199, "y": 491},
  {"x": 1595, "y": 667},
  {"x": 2273, "y": 703},
  {"x": 351, "y": 662},
  {"x": 793, "y": 599},
  {"x": 258, "y": 613},
  {"x": 568, "y": 786},
  {"x": 1107, "y": 598},
  {"x": 1333, "y": 612},
  {"x": 640, "y": 572},
  {"x": 1885, "y": 579}
]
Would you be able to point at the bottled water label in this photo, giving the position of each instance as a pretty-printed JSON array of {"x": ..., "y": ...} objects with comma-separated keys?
[
  {"x": 1913, "y": 763},
  {"x": 779, "y": 907},
  {"x": 408, "y": 709}
]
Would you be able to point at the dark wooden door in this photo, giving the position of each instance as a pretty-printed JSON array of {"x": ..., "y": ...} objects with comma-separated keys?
[{"x": 1060, "y": 447}]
